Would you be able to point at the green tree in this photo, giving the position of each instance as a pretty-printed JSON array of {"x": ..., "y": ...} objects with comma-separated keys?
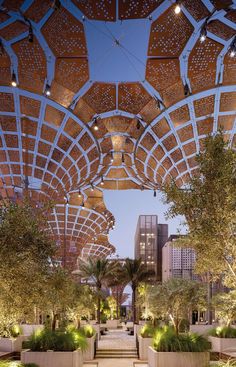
[
  {"x": 135, "y": 272},
  {"x": 208, "y": 203},
  {"x": 98, "y": 272},
  {"x": 225, "y": 306},
  {"x": 175, "y": 298},
  {"x": 25, "y": 249}
]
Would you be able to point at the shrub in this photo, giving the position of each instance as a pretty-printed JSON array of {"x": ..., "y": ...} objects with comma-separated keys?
[
  {"x": 223, "y": 332},
  {"x": 88, "y": 331},
  {"x": 66, "y": 341},
  {"x": 166, "y": 340},
  {"x": 147, "y": 331},
  {"x": 10, "y": 331},
  {"x": 6, "y": 363},
  {"x": 229, "y": 363}
]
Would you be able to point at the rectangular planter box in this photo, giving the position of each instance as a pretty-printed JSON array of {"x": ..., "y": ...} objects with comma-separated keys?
[
  {"x": 221, "y": 345},
  {"x": 53, "y": 359},
  {"x": 112, "y": 324},
  {"x": 12, "y": 344},
  {"x": 144, "y": 343},
  {"x": 177, "y": 359},
  {"x": 201, "y": 329},
  {"x": 88, "y": 355}
]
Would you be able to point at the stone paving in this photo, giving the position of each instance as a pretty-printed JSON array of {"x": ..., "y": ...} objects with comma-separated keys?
[{"x": 117, "y": 339}]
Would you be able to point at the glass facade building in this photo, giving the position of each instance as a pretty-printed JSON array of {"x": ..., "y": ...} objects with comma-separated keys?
[{"x": 150, "y": 237}]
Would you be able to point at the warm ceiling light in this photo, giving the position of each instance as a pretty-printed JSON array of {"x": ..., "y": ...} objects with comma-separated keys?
[
  {"x": 232, "y": 48},
  {"x": 47, "y": 90},
  {"x": 138, "y": 124},
  {"x": 154, "y": 193},
  {"x": 112, "y": 158},
  {"x": 92, "y": 187},
  {"x": 203, "y": 34},
  {"x": 95, "y": 125},
  {"x": 186, "y": 90},
  {"x": 79, "y": 194},
  {"x": 177, "y": 7},
  {"x": 13, "y": 80},
  {"x": 102, "y": 181},
  {"x": 30, "y": 34},
  {"x": 123, "y": 157},
  {"x": 82, "y": 204}
]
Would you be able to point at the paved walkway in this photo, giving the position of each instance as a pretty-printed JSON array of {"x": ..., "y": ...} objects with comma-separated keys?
[{"x": 117, "y": 339}]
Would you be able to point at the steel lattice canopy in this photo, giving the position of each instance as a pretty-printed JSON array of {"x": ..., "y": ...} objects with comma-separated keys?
[{"x": 148, "y": 130}]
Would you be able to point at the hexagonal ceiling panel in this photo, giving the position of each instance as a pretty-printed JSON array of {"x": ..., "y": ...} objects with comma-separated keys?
[{"x": 63, "y": 133}]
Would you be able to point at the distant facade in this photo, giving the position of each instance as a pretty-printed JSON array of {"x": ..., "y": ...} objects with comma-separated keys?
[
  {"x": 177, "y": 262},
  {"x": 150, "y": 237}
]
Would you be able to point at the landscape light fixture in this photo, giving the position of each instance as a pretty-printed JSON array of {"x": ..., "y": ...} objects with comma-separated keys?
[
  {"x": 203, "y": 34},
  {"x": 95, "y": 125},
  {"x": 30, "y": 34},
  {"x": 177, "y": 7},
  {"x": 232, "y": 48},
  {"x": 13, "y": 80},
  {"x": 47, "y": 90}
]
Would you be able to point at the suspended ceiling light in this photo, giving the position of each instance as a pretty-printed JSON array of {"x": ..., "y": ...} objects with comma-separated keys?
[
  {"x": 13, "y": 80},
  {"x": 232, "y": 48},
  {"x": 123, "y": 157},
  {"x": 112, "y": 158},
  {"x": 154, "y": 193},
  {"x": 138, "y": 124},
  {"x": 79, "y": 194},
  {"x": 30, "y": 34},
  {"x": 47, "y": 90},
  {"x": 177, "y": 7},
  {"x": 92, "y": 187},
  {"x": 95, "y": 125},
  {"x": 56, "y": 4},
  {"x": 186, "y": 90},
  {"x": 203, "y": 34},
  {"x": 102, "y": 181},
  {"x": 82, "y": 204}
]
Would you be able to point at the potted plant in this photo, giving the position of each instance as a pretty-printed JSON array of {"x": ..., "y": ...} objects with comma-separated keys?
[
  {"x": 145, "y": 340},
  {"x": 222, "y": 338},
  {"x": 50, "y": 348},
  {"x": 90, "y": 334},
  {"x": 178, "y": 350}
]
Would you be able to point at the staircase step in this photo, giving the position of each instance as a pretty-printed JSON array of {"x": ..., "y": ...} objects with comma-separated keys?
[{"x": 117, "y": 353}]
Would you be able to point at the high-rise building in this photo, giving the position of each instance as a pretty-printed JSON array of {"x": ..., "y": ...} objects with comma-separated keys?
[
  {"x": 177, "y": 262},
  {"x": 150, "y": 237}
]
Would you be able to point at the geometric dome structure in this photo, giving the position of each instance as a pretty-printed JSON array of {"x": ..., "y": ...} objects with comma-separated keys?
[{"x": 63, "y": 133}]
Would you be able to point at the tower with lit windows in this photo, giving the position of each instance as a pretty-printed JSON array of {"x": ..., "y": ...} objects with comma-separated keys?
[{"x": 150, "y": 237}]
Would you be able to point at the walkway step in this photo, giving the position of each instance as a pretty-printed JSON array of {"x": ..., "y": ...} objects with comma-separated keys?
[{"x": 117, "y": 353}]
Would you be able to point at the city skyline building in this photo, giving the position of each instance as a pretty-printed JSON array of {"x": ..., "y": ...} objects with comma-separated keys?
[{"x": 150, "y": 237}]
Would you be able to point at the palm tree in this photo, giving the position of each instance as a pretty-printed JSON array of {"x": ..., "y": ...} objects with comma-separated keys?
[
  {"x": 98, "y": 271},
  {"x": 135, "y": 272}
]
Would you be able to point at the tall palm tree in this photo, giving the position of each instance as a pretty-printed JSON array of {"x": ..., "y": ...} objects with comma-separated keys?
[
  {"x": 98, "y": 271},
  {"x": 135, "y": 272}
]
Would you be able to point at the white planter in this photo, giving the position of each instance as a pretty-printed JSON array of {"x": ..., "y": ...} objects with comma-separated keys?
[
  {"x": 144, "y": 343},
  {"x": 88, "y": 355},
  {"x": 177, "y": 359},
  {"x": 222, "y": 345},
  {"x": 53, "y": 359},
  {"x": 12, "y": 344},
  {"x": 201, "y": 329},
  {"x": 112, "y": 324},
  {"x": 29, "y": 329}
]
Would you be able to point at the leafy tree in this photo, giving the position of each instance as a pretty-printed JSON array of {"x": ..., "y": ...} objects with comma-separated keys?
[
  {"x": 143, "y": 300},
  {"x": 208, "y": 204},
  {"x": 25, "y": 249},
  {"x": 225, "y": 306},
  {"x": 98, "y": 272},
  {"x": 112, "y": 304},
  {"x": 135, "y": 272},
  {"x": 175, "y": 298}
]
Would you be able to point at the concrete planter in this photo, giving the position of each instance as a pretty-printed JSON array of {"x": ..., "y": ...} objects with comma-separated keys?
[
  {"x": 177, "y": 359},
  {"x": 144, "y": 343},
  {"x": 88, "y": 355},
  {"x": 112, "y": 324},
  {"x": 28, "y": 329},
  {"x": 53, "y": 359},
  {"x": 221, "y": 345},
  {"x": 12, "y": 344},
  {"x": 201, "y": 329}
]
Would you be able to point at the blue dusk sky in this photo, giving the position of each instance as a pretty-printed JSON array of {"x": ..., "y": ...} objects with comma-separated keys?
[{"x": 111, "y": 62}]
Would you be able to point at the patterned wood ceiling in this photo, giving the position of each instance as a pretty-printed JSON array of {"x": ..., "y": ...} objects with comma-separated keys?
[{"x": 112, "y": 135}]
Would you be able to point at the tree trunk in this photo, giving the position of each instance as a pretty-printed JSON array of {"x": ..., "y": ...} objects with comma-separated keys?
[
  {"x": 134, "y": 305},
  {"x": 99, "y": 307},
  {"x": 54, "y": 319}
]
